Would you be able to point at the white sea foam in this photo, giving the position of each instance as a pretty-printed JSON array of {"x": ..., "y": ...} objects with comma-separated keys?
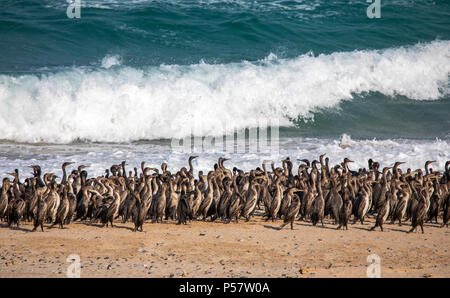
[
  {"x": 120, "y": 104},
  {"x": 98, "y": 157},
  {"x": 294, "y": 7},
  {"x": 111, "y": 60},
  {"x": 260, "y": 6}
]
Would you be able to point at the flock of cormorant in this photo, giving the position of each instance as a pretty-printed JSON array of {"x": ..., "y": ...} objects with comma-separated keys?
[{"x": 310, "y": 195}]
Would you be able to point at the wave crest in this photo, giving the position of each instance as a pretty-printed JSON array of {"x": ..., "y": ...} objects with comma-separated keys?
[{"x": 121, "y": 104}]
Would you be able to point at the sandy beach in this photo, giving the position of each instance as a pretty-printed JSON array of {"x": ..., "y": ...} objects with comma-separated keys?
[
  {"x": 246, "y": 249},
  {"x": 150, "y": 109}
]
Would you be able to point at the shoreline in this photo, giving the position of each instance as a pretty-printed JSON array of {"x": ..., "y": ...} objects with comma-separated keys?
[{"x": 100, "y": 156}]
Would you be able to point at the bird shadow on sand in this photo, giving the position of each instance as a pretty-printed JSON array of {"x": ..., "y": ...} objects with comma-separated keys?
[
  {"x": 100, "y": 225},
  {"x": 365, "y": 228},
  {"x": 57, "y": 227},
  {"x": 431, "y": 225},
  {"x": 308, "y": 224},
  {"x": 377, "y": 229},
  {"x": 277, "y": 228},
  {"x": 326, "y": 227},
  {"x": 15, "y": 228},
  {"x": 122, "y": 227},
  {"x": 398, "y": 230}
]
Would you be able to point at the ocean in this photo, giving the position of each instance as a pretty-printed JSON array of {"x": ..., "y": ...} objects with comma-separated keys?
[{"x": 127, "y": 77}]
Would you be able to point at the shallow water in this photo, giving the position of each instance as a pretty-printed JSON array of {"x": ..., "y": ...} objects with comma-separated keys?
[{"x": 99, "y": 157}]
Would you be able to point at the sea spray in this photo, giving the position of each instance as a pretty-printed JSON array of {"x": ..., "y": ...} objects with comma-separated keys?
[{"x": 122, "y": 103}]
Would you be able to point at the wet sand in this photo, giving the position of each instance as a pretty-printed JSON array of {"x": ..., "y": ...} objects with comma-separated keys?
[{"x": 204, "y": 249}]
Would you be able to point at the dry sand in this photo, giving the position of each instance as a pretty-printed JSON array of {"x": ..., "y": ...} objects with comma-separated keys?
[{"x": 246, "y": 249}]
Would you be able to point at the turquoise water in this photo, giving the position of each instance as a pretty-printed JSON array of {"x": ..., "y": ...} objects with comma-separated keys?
[
  {"x": 322, "y": 67},
  {"x": 36, "y": 34}
]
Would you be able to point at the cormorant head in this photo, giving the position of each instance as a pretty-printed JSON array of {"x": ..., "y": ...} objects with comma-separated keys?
[
  {"x": 67, "y": 164},
  {"x": 305, "y": 161}
]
